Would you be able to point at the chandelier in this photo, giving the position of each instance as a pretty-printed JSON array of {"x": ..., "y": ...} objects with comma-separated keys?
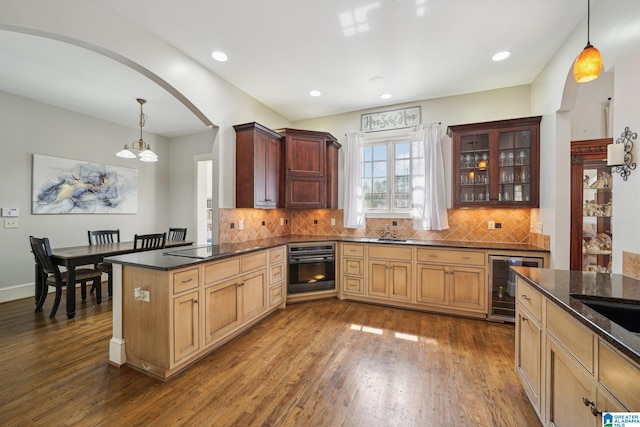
[{"x": 143, "y": 148}]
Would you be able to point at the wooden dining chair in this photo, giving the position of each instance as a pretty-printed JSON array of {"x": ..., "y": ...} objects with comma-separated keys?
[
  {"x": 103, "y": 237},
  {"x": 149, "y": 241},
  {"x": 51, "y": 275},
  {"x": 177, "y": 234}
]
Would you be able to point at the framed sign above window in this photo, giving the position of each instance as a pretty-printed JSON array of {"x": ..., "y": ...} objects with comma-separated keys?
[{"x": 393, "y": 119}]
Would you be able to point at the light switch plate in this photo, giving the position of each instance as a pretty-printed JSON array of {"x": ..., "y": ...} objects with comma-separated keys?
[{"x": 10, "y": 212}]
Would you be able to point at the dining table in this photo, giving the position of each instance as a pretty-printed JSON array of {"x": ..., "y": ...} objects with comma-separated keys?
[{"x": 74, "y": 256}]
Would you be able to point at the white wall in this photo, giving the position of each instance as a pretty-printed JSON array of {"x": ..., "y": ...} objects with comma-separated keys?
[
  {"x": 554, "y": 93},
  {"x": 626, "y": 200},
  {"x": 29, "y": 128}
]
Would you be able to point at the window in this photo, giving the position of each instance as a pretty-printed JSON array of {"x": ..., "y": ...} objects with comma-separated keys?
[{"x": 387, "y": 176}]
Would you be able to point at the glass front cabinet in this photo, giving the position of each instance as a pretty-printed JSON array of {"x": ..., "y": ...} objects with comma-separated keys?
[
  {"x": 591, "y": 206},
  {"x": 496, "y": 164}
]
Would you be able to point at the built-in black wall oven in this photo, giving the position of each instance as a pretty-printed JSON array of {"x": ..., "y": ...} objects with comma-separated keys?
[
  {"x": 502, "y": 285},
  {"x": 312, "y": 267}
]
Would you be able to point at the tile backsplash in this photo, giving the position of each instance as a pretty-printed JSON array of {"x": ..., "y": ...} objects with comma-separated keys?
[
  {"x": 631, "y": 264},
  {"x": 464, "y": 225}
]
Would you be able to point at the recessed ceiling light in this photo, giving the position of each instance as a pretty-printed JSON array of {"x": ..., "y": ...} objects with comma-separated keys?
[
  {"x": 386, "y": 96},
  {"x": 500, "y": 56},
  {"x": 315, "y": 93},
  {"x": 219, "y": 56}
]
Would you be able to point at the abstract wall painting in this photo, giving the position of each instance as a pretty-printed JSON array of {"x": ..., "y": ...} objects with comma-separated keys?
[{"x": 65, "y": 186}]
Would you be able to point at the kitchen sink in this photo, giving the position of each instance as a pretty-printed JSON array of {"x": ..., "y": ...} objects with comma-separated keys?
[
  {"x": 390, "y": 239},
  {"x": 625, "y": 315}
]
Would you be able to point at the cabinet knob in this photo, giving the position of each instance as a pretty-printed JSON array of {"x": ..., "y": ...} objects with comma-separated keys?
[
  {"x": 195, "y": 301},
  {"x": 525, "y": 297},
  {"x": 586, "y": 401},
  {"x": 241, "y": 284}
]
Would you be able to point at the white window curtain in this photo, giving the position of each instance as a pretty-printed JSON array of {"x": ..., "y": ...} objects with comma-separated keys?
[
  {"x": 353, "y": 195},
  {"x": 429, "y": 198}
]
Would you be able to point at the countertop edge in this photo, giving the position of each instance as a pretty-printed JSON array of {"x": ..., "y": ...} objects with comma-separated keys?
[{"x": 152, "y": 260}]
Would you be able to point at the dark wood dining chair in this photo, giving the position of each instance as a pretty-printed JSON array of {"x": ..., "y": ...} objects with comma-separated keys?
[
  {"x": 51, "y": 275},
  {"x": 103, "y": 237},
  {"x": 177, "y": 234},
  {"x": 149, "y": 241}
]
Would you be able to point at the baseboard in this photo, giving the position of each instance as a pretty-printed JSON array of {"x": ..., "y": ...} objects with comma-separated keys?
[{"x": 12, "y": 293}]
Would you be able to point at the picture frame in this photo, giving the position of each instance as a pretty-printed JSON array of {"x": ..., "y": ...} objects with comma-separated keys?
[{"x": 67, "y": 186}]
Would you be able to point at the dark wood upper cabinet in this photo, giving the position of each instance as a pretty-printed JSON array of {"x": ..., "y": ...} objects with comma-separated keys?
[
  {"x": 259, "y": 171},
  {"x": 496, "y": 164},
  {"x": 311, "y": 169},
  {"x": 291, "y": 168}
]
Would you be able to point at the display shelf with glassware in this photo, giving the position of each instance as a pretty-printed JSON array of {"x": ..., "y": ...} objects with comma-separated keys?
[
  {"x": 591, "y": 206},
  {"x": 496, "y": 163},
  {"x": 596, "y": 224}
]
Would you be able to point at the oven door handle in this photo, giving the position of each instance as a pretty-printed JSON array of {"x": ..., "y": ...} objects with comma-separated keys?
[{"x": 300, "y": 260}]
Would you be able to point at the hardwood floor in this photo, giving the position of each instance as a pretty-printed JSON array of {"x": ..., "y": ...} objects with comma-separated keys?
[{"x": 322, "y": 363}]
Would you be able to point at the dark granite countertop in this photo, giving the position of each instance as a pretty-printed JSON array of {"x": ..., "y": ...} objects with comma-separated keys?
[
  {"x": 568, "y": 289},
  {"x": 170, "y": 259}
]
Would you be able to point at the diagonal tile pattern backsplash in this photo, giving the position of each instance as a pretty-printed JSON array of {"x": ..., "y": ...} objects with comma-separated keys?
[{"x": 464, "y": 225}]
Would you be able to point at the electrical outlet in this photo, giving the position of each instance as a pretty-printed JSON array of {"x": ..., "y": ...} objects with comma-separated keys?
[
  {"x": 240, "y": 225},
  {"x": 11, "y": 223},
  {"x": 141, "y": 294},
  {"x": 315, "y": 221},
  {"x": 281, "y": 221},
  {"x": 492, "y": 225},
  {"x": 498, "y": 225},
  {"x": 333, "y": 221}
]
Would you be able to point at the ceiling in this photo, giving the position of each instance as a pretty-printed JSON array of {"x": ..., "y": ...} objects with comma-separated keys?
[{"x": 350, "y": 50}]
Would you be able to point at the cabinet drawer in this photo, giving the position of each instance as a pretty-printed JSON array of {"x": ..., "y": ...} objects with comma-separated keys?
[
  {"x": 351, "y": 249},
  {"x": 529, "y": 298},
  {"x": 451, "y": 257},
  {"x": 253, "y": 261},
  {"x": 276, "y": 255},
  {"x": 221, "y": 270},
  {"x": 185, "y": 280},
  {"x": 575, "y": 337},
  {"x": 353, "y": 266},
  {"x": 390, "y": 252},
  {"x": 276, "y": 295},
  {"x": 620, "y": 376},
  {"x": 352, "y": 285},
  {"x": 276, "y": 273}
]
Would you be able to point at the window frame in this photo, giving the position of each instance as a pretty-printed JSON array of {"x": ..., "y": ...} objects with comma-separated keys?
[{"x": 390, "y": 143}]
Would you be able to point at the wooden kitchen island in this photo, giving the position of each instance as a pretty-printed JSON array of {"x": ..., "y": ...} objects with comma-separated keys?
[{"x": 172, "y": 307}]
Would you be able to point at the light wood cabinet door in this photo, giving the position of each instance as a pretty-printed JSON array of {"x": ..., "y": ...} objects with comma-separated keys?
[
  {"x": 467, "y": 288},
  {"x": 400, "y": 281},
  {"x": 528, "y": 356},
  {"x": 254, "y": 298},
  {"x": 568, "y": 388},
  {"x": 378, "y": 278},
  {"x": 432, "y": 284},
  {"x": 222, "y": 313},
  {"x": 186, "y": 326}
]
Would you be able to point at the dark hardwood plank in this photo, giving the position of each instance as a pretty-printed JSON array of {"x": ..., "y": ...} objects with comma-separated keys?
[{"x": 322, "y": 363}]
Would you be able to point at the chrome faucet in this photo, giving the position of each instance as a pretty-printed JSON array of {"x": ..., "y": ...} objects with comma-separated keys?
[{"x": 387, "y": 233}]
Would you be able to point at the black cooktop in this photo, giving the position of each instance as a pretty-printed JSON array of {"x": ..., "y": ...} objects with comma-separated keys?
[{"x": 199, "y": 252}]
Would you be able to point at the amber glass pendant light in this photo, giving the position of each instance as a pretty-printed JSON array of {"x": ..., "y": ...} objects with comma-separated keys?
[{"x": 588, "y": 65}]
